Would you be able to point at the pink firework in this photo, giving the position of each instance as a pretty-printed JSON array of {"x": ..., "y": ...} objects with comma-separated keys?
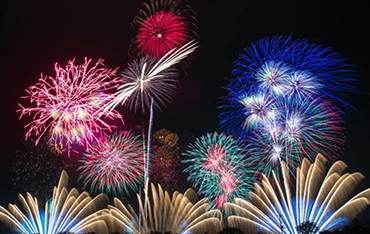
[
  {"x": 214, "y": 161},
  {"x": 228, "y": 182},
  {"x": 66, "y": 108},
  {"x": 114, "y": 165},
  {"x": 221, "y": 200},
  {"x": 162, "y": 26}
]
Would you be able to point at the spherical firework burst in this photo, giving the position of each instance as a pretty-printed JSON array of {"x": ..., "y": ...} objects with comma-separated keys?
[
  {"x": 171, "y": 140},
  {"x": 66, "y": 108},
  {"x": 302, "y": 128},
  {"x": 115, "y": 165},
  {"x": 148, "y": 78},
  {"x": 220, "y": 167},
  {"x": 295, "y": 67},
  {"x": 162, "y": 26},
  {"x": 161, "y": 135},
  {"x": 164, "y": 168},
  {"x": 286, "y": 99}
]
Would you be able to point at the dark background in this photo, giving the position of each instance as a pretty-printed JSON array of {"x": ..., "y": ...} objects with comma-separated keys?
[{"x": 36, "y": 34}]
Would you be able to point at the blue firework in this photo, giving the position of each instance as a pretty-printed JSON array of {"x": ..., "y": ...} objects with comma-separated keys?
[
  {"x": 282, "y": 68},
  {"x": 302, "y": 127},
  {"x": 287, "y": 64}
]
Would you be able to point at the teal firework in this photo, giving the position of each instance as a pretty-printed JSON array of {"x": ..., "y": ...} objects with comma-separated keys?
[{"x": 219, "y": 167}]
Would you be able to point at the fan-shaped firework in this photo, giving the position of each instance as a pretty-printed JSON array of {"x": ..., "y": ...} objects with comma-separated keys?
[
  {"x": 321, "y": 197},
  {"x": 66, "y": 107},
  {"x": 36, "y": 169},
  {"x": 65, "y": 212},
  {"x": 302, "y": 128},
  {"x": 146, "y": 78},
  {"x": 162, "y": 26},
  {"x": 220, "y": 167},
  {"x": 295, "y": 67},
  {"x": 114, "y": 165},
  {"x": 182, "y": 213}
]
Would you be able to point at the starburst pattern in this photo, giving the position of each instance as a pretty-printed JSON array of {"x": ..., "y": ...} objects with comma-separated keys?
[
  {"x": 162, "y": 26},
  {"x": 287, "y": 101},
  {"x": 164, "y": 167},
  {"x": 302, "y": 128},
  {"x": 115, "y": 165},
  {"x": 283, "y": 59},
  {"x": 148, "y": 78},
  {"x": 219, "y": 167},
  {"x": 66, "y": 108}
]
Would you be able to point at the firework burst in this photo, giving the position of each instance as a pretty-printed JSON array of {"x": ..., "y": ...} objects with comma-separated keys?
[
  {"x": 295, "y": 66},
  {"x": 162, "y": 26},
  {"x": 302, "y": 128},
  {"x": 219, "y": 167},
  {"x": 286, "y": 101},
  {"x": 148, "y": 78},
  {"x": 321, "y": 197},
  {"x": 179, "y": 213},
  {"x": 164, "y": 167},
  {"x": 114, "y": 165},
  {"x": 66, "y": 108},
  {"x": 70, "y": 212}
]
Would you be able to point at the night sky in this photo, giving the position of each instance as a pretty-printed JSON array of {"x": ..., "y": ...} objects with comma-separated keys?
[{"x": 36, "y": 34}]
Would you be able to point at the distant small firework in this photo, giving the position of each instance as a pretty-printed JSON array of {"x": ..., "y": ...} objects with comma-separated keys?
[
  {"x": 66, "y": 108},
  {"x": 220, "y": 167},
  {"x": 148, "y": 78},
  {"x": 161, "y": 135},
  {"x": 164, "y": 167},
  {"x": 166, "y": 138},
  {"x": 115, "y": 165},
  {"x": 162, "y": 25}
]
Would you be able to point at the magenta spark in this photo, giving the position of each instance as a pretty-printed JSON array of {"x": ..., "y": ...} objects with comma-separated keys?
[
  {"x": 214, "y": 159},
  {"x": 114, "y": 165},
  {"x": 67, "y": 108}
]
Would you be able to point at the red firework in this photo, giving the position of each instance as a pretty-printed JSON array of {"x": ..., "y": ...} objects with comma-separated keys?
[
  {"x": 163, "y": 25},
  {"x": 162, "y": 32},
  {"x": 164, "y": 167}
]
